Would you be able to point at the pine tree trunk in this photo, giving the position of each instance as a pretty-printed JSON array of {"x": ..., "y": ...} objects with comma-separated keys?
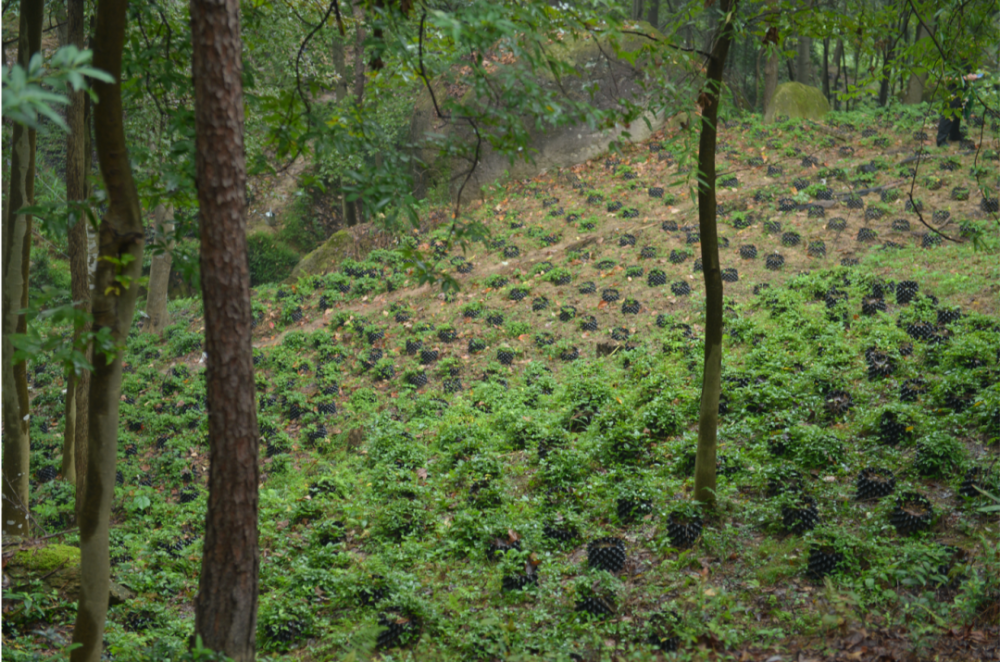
[
  {"x": 120, "y": 248},
  {"x": 653, "y": 13},
  {"x": 226, "y": 606},
  {"x": 16, "y": 259},
  {"x": 159, "y": 273},
  {"x": 76, "y": 183},
  {"x": 708, "y": 422}
]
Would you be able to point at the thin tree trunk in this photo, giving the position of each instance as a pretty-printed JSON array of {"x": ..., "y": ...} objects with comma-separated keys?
[
  {"x": 69, "y": 431},
  {"x": 915, "y": 85},
  {"x": 708, "y": 422},
  {"x": 354, "y": 211},
  {"x": 76, "y": 183},
  {"x": 653, "y": 13},
  {"x": 226, "y": 606},
  {"x": 838, "y": 57},
  {"x": 756, "y": 80},
  {"x": 888, "y": 55},
  {"x": 826, "y": 68},
  {"x": 857, "y": 69},
  {"x": 770, "y": 80},
  {"x": 359, "y": 57},
  {"x": 340, "y": 91},
  {"x": 16, "y": 259},
  {"x": 803, "y": 62},
  {"x": 341, "y": 87},
  {"x": 159, "y": 273},
  {"x": 83, "y": 284},
  {"x": 883, "y": 86},
  {"x": 120, "y": 247},
  {"x": 890, "y": 59},
  {"x": 636, "y": 14}
]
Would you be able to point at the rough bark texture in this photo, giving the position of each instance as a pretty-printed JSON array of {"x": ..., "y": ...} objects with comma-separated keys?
[
  {"x": 159, "y": 274},
  {"x": 76, "y": 189},
  {"x": 226, "y": 606},
  {"x": 16, "y": 258},
  {"x": 708, "y": 422},
  {"x": 120, "y": 239}
]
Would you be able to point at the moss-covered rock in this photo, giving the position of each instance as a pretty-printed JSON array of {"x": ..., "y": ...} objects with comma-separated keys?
[
  {"x": 798, "y": 101},
  {"x": 326, "y": 258},
  {"x": 46, "y": 559},
  {"x": 59, "y": 567}
]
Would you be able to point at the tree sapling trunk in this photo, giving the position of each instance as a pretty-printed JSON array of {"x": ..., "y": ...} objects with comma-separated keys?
[
  {"x": 119, "y": 266},
  {"x": 16, "y": 258},
  {"x": 708, "y": 423}
]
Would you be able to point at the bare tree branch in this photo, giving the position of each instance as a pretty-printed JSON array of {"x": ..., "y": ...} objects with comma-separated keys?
[{"x": 305, "y": 42}]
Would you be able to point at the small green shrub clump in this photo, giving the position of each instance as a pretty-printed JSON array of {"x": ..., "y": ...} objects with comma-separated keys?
[{"x": 271, "y": 260}]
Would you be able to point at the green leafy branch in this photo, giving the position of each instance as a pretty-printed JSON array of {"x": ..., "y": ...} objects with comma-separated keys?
[
  {"x": 25, "y": 96},
  {"x": 61, "y": 346},
  {"x": 120, "y": 264}
]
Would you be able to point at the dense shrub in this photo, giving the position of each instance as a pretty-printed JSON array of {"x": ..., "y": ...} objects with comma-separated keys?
[
  {"x": 49, "y": 273},
  {"x": 270, "y": 259}
]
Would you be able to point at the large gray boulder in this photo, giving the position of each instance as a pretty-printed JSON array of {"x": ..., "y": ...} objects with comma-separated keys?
[
  {"x": 799, "y": 101},
  {"x": 602, "y": 78}
]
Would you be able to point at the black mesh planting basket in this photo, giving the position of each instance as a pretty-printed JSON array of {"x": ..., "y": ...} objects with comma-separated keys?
[
  {"x": 683, "y": 530},
  {"x": 823, "y": 560},
  {"x": 606, "y": 554},
  {"x": 874, "y": 483},
  {"x": 800, "y": 516},
  {"x": 913, "y": 513}
]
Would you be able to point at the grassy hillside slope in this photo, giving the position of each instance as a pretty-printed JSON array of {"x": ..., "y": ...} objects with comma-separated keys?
[{"x": 504, "y": 473}]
